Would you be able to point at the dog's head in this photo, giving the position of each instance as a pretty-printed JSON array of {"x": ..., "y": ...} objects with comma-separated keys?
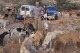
[
  {"x": 36, "y": 43},
  {"x": 44, "y": 46},
  {"x": 36, "y": 39}
]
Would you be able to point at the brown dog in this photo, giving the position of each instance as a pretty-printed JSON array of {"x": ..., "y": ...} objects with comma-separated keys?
[
  {"x": 26, "y": 21},
  {"x": 63, "y": 39},
  {"x": 37, "y": 40}
]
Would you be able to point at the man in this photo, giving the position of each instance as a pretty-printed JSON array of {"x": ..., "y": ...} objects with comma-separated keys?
[{"x": 37, "y": 15}]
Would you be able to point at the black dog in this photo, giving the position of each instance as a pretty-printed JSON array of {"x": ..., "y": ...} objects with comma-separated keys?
[
  {"x": 31, "y": 28},
  {"x": 2, "y": 37}
]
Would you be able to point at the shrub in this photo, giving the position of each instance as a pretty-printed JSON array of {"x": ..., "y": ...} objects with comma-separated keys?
[{"x": 17, "y": 5}]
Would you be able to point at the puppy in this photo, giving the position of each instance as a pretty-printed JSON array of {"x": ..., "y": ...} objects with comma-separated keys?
[{"x": 63, "y": 39}]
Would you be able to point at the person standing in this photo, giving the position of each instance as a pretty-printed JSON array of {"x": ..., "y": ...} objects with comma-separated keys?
[{"x": 37, "y": 15}]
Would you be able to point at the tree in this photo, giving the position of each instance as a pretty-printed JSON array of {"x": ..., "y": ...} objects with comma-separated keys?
[
  {"x": 66, "y": 5},
  {"x": 1, "y": 7},
  {"x": 32, "y": 2},
  {"x": 60, "y": 3},
  {"x": 17, "y": 5},
  {"x": 73, "y": 6}
]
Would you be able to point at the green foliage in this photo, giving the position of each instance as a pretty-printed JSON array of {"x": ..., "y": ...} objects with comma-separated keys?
[
  {"x": 71, "y": 6},
  {"x": 61, "y": 2},
  {"x": 1, "y": 7},
  {"x": 17, "y": 5},
  {"x": 66, "y": 5},
  {"x": 32, "y": 2}
]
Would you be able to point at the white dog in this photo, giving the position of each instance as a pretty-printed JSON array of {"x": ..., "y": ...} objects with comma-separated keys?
[
  {"x": 3, "y": 23},
  {"x": 18, "y": 33},
  {"x": 50, "y": 36},
  {"x": 45, "y": 24}
]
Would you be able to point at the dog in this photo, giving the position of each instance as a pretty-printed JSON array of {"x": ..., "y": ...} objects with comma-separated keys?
[
  {"x": 27, "y": 43},
  {"x": 3, "y": 23},
  {"x": 22, "y": 35},
  {"x": 3, "y": 35},
  {"x": 45, "y": 25},
  {"x": 50, "y": 36},
  {"x": 16, "y": 30},
  {"x": 31, "y": 28},
  {"x": 6, "y": 39},
  {"x": 19, "y": 33},
  {"x": 63, "y": 39},
  {"x": 38, "y": 38},
  {"x": 27, "y": 21}
]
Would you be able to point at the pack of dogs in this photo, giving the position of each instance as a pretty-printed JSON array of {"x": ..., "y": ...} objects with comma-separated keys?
[
  {"x": 60, "y": 40},
  {"x": 42, "y": 39},
  {"x": 38, "y": 40},
  {"x": 16, "y": 33}
]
